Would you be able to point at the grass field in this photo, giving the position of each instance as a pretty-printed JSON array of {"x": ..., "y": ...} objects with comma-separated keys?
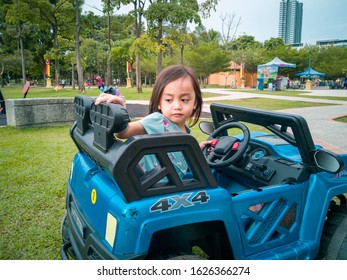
[{"x": 34, "y": 167}]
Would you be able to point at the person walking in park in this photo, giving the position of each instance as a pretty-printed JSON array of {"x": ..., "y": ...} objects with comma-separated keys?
[{"x": 63, "y": 83}]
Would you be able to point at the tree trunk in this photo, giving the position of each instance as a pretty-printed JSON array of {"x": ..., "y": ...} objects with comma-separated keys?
[
  {"x": 182, "y": 51},
  {"x": 138, "y": 29},
  {"x": 108, "y": 66},
  {"x": 138, "y": 74},
  {"x": 80, "y": 77},
  {"x": 160, "y": 53},
  {"x": 56, "y": 59},
  {"x": 73, "y": 76},
  {"x": 2, "y": 72},
  {"x": 132, "y": 75},
  {"x": 22, "y": 54}
]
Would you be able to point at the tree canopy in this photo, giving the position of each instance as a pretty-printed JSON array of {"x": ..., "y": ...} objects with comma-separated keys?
[{"x": 157, "y": 31}]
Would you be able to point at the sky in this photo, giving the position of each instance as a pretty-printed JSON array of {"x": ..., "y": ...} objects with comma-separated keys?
[{"x": 322, "y": 19}]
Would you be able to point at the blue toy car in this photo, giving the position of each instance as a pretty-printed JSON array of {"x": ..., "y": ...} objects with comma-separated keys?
[{"x": 261, "y": 190}]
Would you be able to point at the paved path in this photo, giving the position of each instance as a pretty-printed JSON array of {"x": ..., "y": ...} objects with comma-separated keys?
[{"x": 325, "y": 131}]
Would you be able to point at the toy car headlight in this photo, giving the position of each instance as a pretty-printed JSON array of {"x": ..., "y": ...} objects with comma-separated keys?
[
  {"x": 71, "y": 171},
  {"x": 111, "y": 228}
]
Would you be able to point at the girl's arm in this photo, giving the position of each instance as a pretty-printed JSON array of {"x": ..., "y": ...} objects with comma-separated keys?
[{"x": 133, "y": 128}]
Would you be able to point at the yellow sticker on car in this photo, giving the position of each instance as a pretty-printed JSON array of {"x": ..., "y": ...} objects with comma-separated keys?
[{"x": 93, "y": 196}]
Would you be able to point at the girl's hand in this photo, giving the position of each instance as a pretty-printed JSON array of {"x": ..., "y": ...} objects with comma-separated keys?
[
  {"x": 204, "y": 144},
  {"x": 104, "y": 97}
]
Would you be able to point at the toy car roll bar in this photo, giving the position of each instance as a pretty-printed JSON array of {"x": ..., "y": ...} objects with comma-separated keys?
[{"x": 93, "y": 133}]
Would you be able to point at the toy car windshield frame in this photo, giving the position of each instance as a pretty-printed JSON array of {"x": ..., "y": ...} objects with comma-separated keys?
[{"x": 278, "y": 123}]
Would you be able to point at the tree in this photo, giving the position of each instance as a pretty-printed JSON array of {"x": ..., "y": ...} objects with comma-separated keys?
[
  {"x": 80, "y": 76},
  {"x": 58, "y": 16},
  {"x": 162, "y": 12},
  {"x": 23, "y": 26},
  {"x": 138, "y": 11},
  {"x": 109, "y": 6},
  {"x": 251, "y": 57},
  {"x": 139, "y": 6},
  {"x": 143, "y": 46},
  {"x": 124, "y": 51},
  {"x": 330, "y": 60},
  {"x": 200, "y": 34},
  {"x": 206, "y": 6},
  {"x": 93, "y": 56},
  {"x": 244, "y": 42},
  {"x": 273, "y": 43},
  {"x": 149, "y": 69},
  {"x": 230, "y": 25},
  {"x": 208, "y": 58},
  {"x": 181, "y": 39}
]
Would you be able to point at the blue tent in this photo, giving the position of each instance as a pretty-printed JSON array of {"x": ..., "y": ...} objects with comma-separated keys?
[{"x": 310, "y": 73}]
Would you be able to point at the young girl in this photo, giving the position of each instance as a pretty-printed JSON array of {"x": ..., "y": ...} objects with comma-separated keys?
[{"x": 176, "y": 100}]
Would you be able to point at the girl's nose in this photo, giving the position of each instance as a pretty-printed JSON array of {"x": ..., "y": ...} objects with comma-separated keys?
[{"x": 177, "y": 105}]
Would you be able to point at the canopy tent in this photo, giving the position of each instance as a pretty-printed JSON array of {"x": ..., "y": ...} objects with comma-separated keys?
[
  {"x": 277, "y": 63},
  {"x": 310, "y": 73},
  {"x": 269, "y": 70}
]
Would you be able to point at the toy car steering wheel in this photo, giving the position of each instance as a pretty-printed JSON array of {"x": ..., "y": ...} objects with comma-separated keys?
[{"x": 226, "y": 150}]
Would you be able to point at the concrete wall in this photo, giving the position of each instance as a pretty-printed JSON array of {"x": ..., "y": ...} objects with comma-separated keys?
[
  {"x": 230, "y": 79},
  {"x": 33, "y": 112}
]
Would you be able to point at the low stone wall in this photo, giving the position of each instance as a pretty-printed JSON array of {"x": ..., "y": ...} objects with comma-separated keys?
[
  {"x": 320, "y": 88},
  {"x": 33, "y": 112}
]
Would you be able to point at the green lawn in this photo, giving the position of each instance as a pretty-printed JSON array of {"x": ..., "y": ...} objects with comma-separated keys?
[
  {"x": 34, "y": 167},
  {"x": 270, "y": 104},
  {"x": 131, "y": 94},
  {"x": 13, "y": 92}
]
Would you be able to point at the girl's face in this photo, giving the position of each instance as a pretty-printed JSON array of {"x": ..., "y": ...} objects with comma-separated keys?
[{"x": 178, "y": 101}]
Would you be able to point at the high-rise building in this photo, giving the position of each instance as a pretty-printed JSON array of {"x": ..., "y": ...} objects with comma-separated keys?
[{"x": 290, "y": 21}]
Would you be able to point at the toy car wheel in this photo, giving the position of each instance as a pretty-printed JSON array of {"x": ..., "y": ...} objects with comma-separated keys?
[
  {"x": 334, "y": 236},
  {"x": 63, "y": 229},
  {"x": 187, "y": 257},
  {"x": 64, "y": 234}
]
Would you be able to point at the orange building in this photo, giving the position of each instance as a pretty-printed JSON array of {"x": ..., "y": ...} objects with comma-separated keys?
[{"x": 232, "y": 78}]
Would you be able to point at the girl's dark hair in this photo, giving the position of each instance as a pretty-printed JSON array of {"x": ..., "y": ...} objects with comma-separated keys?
[{"x": 169, "y": 75}]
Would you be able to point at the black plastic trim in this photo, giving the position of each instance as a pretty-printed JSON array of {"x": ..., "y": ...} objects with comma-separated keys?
[
  {"x": 276, "y": 122},
  {"x": 122, "y": 158}
]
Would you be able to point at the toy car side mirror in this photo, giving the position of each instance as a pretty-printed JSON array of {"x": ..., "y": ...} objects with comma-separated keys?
[
  {"x": 206, "y": 127},
  {"x": 328, "y": 161}
]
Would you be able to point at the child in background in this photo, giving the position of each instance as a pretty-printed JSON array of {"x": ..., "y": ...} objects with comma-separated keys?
[
  {"x": 88, "y": 83},
  {"x": 99, "y": 83}
]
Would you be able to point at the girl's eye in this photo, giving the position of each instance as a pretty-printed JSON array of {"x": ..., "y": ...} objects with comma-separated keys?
[
  {"x": 185, "y": 100},
  {"x": 168, "y": 100}
]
